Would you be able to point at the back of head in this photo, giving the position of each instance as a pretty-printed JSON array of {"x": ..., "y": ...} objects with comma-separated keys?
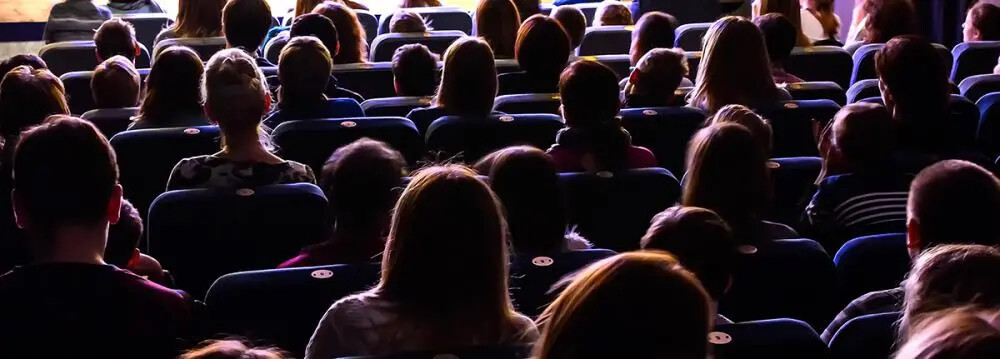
[
  {"x": 245, "y": 23},
  {"x": 758, "y": 126},
  {"x": 779, "y": 36},
  {"x": 407, "y": 21},
  {"x": 30, "y": 60},
  {"x": 414, "y": 69},
  {"x": 734, "y": 68},
  {"x": 124, "y": 236},
  {"x": 27, "y": 97},
  {"x": 653, "y": 30},
  {"x": 888, "y": 19},
  {"x": 175, "y": 84},
  {"x": 612, "y": 13},
  {"x": 468, "y": 79},
  {"x": 199, "y": 18},
  {"x": 527, "y": 182},
  {"x": 632, "y": 305},
  {"x": 985, "y": 20},
  {"x": 727, "y": 173},
  {"x": 590, "y": 105},
  {"x": 915, "y": 89},
  {"x": 965, "y": 333},
  {"x": 304, "y": 69},
  {"x": 950, "y": 276},
  {"x": 497, "y": 22},
  {"x": 317, "y": 26},
  {"x": 790, "y": 10},
  {"x": 236, "y": 95},
  {"x": 864, "y": 135},
  {"x": 350, "y": 35},
  {"x": 528, "y": 8},
  {"x": 419, "y": 3},
  {"x": 360, "y": 181},
  {"x": 954, "y": 202},
  {"x": 116, "y": 37},
  {"x": 542, "y": 47},
  {"x": 658, "y": 73},
  {"x": 115, "y": 83},
  {"x": 232, "y": 349},
  {"x": 700, "y": 240},
  {"x": 573, "y": 21}
]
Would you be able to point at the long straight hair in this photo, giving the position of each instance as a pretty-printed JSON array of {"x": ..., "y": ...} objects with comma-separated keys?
[
  {"x": 175, "y": 85},
  {"x": 468, "y": 79},
  {"x": 497, "y": 22},
  {"x": 350, "y": 35},
  {"x": 199, "y": 18},
  {"x": 734, "y": 68}
]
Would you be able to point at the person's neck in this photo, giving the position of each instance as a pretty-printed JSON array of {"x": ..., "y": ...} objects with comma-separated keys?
[
  {"x": 77, "y": 244},
  {"x": 245, "y": 147}
]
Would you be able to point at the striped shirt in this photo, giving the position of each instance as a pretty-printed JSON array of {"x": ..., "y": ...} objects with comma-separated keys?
[{"x": 852, "y": 205}]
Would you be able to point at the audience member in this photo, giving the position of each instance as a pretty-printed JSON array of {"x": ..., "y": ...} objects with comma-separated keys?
[
  {"x": 122, "y": 249},
  {"x": 653, "y": 30},
  {"x": 950, "y": 202},
  {"x": 245, "y": 24},
  {"x": 360, "y": 181},
  {"x": 468, "y": 84},
  {"x": 497, "y": 22},
  {"x": 779, "y": 37},
  {"x": 418, "y": 3},
  {"x": 30, "y": 60},
  {"x": 232, "y": 349},
  {"x": 350, "y": 34},
  {"x": 790, "y": 10},
  {"x": 966, "y": 333},
  {"x": 428, "y": 297},
  {"x": 526, "y": 181},
  {"x": 123, "y": 7},
  {"x": 237, "y": 99},
  {"x": 913, "y": 79},
  {"x": 656, "y": 77},
  {"x": 317, "y": 26},
  {"x": 174, "y": 91},
  {"x": 65, "y": 211},
  {"x": 195, "y": 18},
  {"x": 820, "y": 24},
  {"x": 414, "y": 71},
  {"x": 573, "y": 21},
  {"x": 542, "y": 50},
  {"x": 115, "y": 84},
  {"x": 881, "y": 20},
  {"x": 407, "y": 22},
  {"x": 528, "y": 8},
  {"x": 949, "y": 277},
  {"x": 71, "y": 20},
  {"x": 116, "y": 37},
  {"x": 759, "y": 128},
  {"x": 656, "y": 308},
  {"x": 734, "y": 68},
  {"x": 612, "y": 13},
  {"x": 982, "y": 23}
]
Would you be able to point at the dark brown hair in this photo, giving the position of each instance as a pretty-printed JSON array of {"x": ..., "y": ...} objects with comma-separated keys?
[
  {"x": 30, "y": 60},
  {"x": 864, "y": 135},
  {"x": 124, "y": 236},
  {"x": 116, "y": 37},
  {"x": 986, "y": 19},
  {"x": 199, "y": 18},
  {"x": 468, "y": 79},
  {"x": 115, "y": 84},
  {"x": 175, "y": 85},
  {"x": 658, "y": 73},
  {"x": 246, "y": 23},
  {"x": 916, "y": 91},
  {"x": 734, "y": 68},
  {"x": 350, "y": 34},
  {"x": 779, "y": 37},
  {"x": 653, "y": 30},
  {"x": 27, "y": 97},
  {"x": 791, "y": 10},
  {"x": 955, "y": 202},
  {"x": 888, "y": 19},
  {"x": 590, "y": 104},
  {"x": 414, "y": 69},
  {"x": 700, "y": 240},
  {"x": 497, "y": 22},
  {"x": 573, "y": 21},
  {"x": 542, "y": 47},
  {"x": 317, "y": 26},
  {"x": 360, "y": 180},
  {"x": 528, "y": 8}
]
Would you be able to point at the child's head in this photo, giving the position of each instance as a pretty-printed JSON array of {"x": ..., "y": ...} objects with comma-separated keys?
[
  {"x": 700, "y": 240},
  {"x": 414, "y": 70},
  {"x": 658, "y": 74},
  {"x": 116, "y": 37},
  {"x": 245, "y": 23},
  {"x": 175, "y": 85},
  {"x": 497, "y": 22},
  {"x": 573, "y": 21},
  {"x": 232, "y": 349},
  {"x": 317, "y": 26},
  {"x": 982, "y": 23},
  {"x": 361, "y": 180},
  {"x": 27, "y": 96},
  {"x": 779, "y": 36},
  {"x": 589, "y": 93},
  {"x": 542, "y": 47},
  {"x": 115, "y": 83},
  {"x": 953, "y": 201},
  {"x": 124, "y": 236},
  {"x": 612, "y": 13},
  {"x": 468, "y": 78},
  {"x": 888, "y": 19},
  {"x": 304, "y": 69},
  {"x": 758, "y": 126},
  {"x": 237, "y": 97},
  {"x": 407, "y": 21},
  {"x": 653, "y": 30},
  {"x": 950, "y": 276},
  {"x": 960, "y": 333},
  {"x": 863, "y": 135}
]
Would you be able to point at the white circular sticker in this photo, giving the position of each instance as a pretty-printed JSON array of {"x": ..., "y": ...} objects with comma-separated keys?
[
  {"x": 605, "y": 174},
  {"x": 321, "y": 273},
  {"x": 791, "y": 105},
  {"x": 773, "y": 165},
  {"x": 649, "y": 112},
  {"x": 445, "y": 356},
  {"x": 348, "y": 124},
  {"x": 506, "y": 118},
  {"x": 542, "y": 261},
  {"x": 747, "y": 249},
  {"x": 191, "y": 131},
  {"x": 719, "y": 338},
  {"x": 244, "y": 192}
]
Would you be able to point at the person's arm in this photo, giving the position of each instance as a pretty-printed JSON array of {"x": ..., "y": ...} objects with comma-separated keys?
[
  {"x": 325, "y": 340},
  {"x": 179, "y": 178}
]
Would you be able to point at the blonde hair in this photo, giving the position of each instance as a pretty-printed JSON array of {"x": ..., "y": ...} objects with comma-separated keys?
[
  {"x": 759, "y": 127},
  {"x": 237, "y": 97},
  {"x": 734, "y": 68},
  {"x": 955, "y": 333},
  {"x": 304, "y": 69},
  {"x": 232, "y": 349},
  {"x": 612, "y": 13}
]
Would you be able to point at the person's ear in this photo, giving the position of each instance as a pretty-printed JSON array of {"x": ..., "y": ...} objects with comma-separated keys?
[
  {"x": 395, "y": 87},
  {"x": 98, "y": 56},
  {"x": 20, "y": 213},
  {"x": 114, "y": 209},
  {"x": 133, "y": 260},
  {"x": 633, "y": 77},
  {"x": 336, "y": 49},
  {"x": 913, "y": 240},
  {"x": 138, "y": 51}
]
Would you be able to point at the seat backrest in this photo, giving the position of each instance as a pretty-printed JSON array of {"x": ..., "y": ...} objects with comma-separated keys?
[
  {"x": 111, "y": 121},
  {"x": 385, "y": 45},
  {"x": 437, "y": 17},
  {"x": 272, "y": 50},
  {"x": 694, "y": 61},
  {"x": 792, "y": 123},
  {"x": 619, "y": 63},
  {"x": 866, "y": 337},
  {"x": 963, "y": 123},
  {"x": 369, "y": 23},
  {"x": 147, "y": 26},
  {"x": 146, "y": 158},
  {"x": 863, "y": 89},
  {"x": 528, "y": 103},
  {"x": 793, "y": 179},
  {"x": 477, "y": 137},
  {"x": 871, "y": 263},
  {"x": 507, "y": 65},
  {"x": 686, "y": 12},
  {"x": 370, "y": 80},
  {"x": 689, "y": 37},
  {"x": 394, "y": 106},
  {"x": 772, "y": 338},
  {"x": 532, "y": 276},
  {"x": 974, "y": 58},
  {"x": 864, "y": 60},
  {"x": 282, "y": 306},
  {"x": 988, "y": 135},
  {"x": 202, "y": 234},
  {"x": 613, "y": 210},
  {"x": 664, "y": 130},
  {"x": 819, "y": 90},
  {"x": 821, "y": 63},
  {"x": 313, "y": 141},
  {"x": 485, "y": 352},
  {"x": 78, "y": 91},
  {"x": 976, "y": 86},
  {"x": 67, "y": 56},
  {"x": 204, "y": 46},
  {"x": 606, "y": 40}
]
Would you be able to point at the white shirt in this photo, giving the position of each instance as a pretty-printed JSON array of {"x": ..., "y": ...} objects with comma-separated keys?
[{"x": 811, "y": 26}]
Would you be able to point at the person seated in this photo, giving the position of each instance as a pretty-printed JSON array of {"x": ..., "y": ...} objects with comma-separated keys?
[
  {"x": 633, "y": 305},
  {"x": 360, "y": 181},
  {"x": 655, "y": 79},
  {"x": 573, "y": 21},
  {"x": 124, "y": 7},
  {"x": 527, "y": 183},
  {"x": 950, "y": 202},
  {"x": 30, "y": 60},
  {"x": 407, "y": 22},
  {"x": 542, "y": 50},
  {"x": 759, "y": 127},
  {"x": 859, "y": 193},
  {"x": 964, "y": 333},
  {"x": 232, "y": 349},
  {"x": 791, "y": 10},
  {"x": 320, "y": 27},
  {"x": 418, "y": 3},
  {"x": 593, "y": 139},
  {"x": 350, "y": 34},
  {"x": 65, "y": 195},
  {"x": 304, "y": 70},
  {"x": 982, "y": 23},
  {"x": 653, "y": 30},
  {"x": 195, "y": 18},
  {"x": 704, "y": 245},
  {"x": 820, "y": 24},
  {"x": 497, "y": 23},
  {"x": 878, "y": 21},
  {"x": 468, "y": 84},
  {"x": 612, "y": 13},
  {"x": 115, "y": 84},
  {"x": 245, "y": 23},
  {"x": 414, "y": 71},
  {"x": 74, "y": 20},
  {"x": 237, "y": 99},
  {"x": 173, "y": 95},
  {"x": 122, "y": 250},
  {"x": 446, "y": 262},
  {"x": 116, "y": 37},
  {"x": 779, "y": 37}
]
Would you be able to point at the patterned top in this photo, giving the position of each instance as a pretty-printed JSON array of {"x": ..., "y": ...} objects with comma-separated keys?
[
  {"x": 883, "y": 301},
  {"x": 216, "y": 172}
]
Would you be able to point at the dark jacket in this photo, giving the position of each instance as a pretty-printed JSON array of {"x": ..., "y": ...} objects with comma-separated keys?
[{"x": 74, "y": 20}]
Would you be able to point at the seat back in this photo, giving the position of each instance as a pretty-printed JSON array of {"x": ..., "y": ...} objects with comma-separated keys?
[
  {"x": 772, "y": 338},
  {"x": 311, "y": 142},
  {"x": 864, "y": 60},
  {"x": 369, "y": 22},
  {"x": 282, "y": 306},
  {"x": 863, "y": 89},
  {"x": 694, "y": 61},
  {"x": 528, "y": 103},
  {"x": 485, "y": 352},
  {"x": 963, "y": 124},
  {"x": 147, "y": 26},
  {"x": 793, "y": 179},
  {"x": 370, "y": 80},
  {"x": 606, "y": 40},
  {"x": 689, "y": 37},
  {"x": 205, "y": 47},
  {"x": 477, "y": 137},
  {"x": 438, "y": 17},
  {"x": 974, "y": 58},
  {"x": 685, "y": 12},
  {"x": 532, "y": 276},
  {"x": 79, "y": 95},
  {"x": 821, "y": 63},
  {"x": 385, "y": 45},
  {"x": 507, "y": 65},
  {"x": 272, "y": 50},
  {"x": 619, "y": 63},
  {"x": 821, "y": 90},
  {"x": 111, "y": 121},
  {"x": 69, "y": 56},
  {"x": 664, "y": 130},
  {"x": 613, "y": 210},
  {"x": 976, "y": 86},
  {"x": 394, "y": 106},
  {"x": 871, "y": 263},
  {"x": 792, "y": 123},
  {"x": 866, "y": 337},
  {"x": 202, "y": 234},
  {"x": 988, "y": 135}
]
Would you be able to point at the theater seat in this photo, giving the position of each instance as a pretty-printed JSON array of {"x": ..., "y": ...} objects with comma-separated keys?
[
  {"x": 694, "y": 61},
  {"x": 369, "y": 23},
  {"x": 976, "y": 86},
  {"x": 606, "y": 40},
  {"x": 619, "y": 63},
  {"x": 821, "y": 63},
  {"x": 78, "y": 92},
  {"x": 613, "y": 210},
  {"x": 477, "y": 137},
  {"x": 792, "y": 123},
  {"x": 111, "y": 121},
  {"x": 394, "y": 106},
  {"x": 871, "y": 263},
  {"x": 532, "y": 276},
  {"x": 664, "y": 130},
  {"x": 147, "y": 26},
  {"x": 689, "y": 37},
  {"x": 862, "y": 90},
  {"x": 864, "y": 61},
  {"x": 438, "y": 17},
  {"x": 974, "y": 58},
  {"x": 282, "y": 306},
  {"x": 507, "y": 66},
  {"x": 820, "y": 90},
  {"x": 793, "y": 179},
  {"x": 272, "y": 50},
  {"x": 963, "y": 122},
  {"x": 204, "y": 46},
  {"x": 69, "y": 56},
  {"x": 313, "y": 141},
  {"x": 528, "y": 103},
  {"x": 370, "y": 80},
  {"x": 385, "y": 45},
  {"x": 870, "y": 336},
  {"x": 988, "y": 134},
  {"x": 503, "y": 352},
  {"x": 772, "y": 339}
]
